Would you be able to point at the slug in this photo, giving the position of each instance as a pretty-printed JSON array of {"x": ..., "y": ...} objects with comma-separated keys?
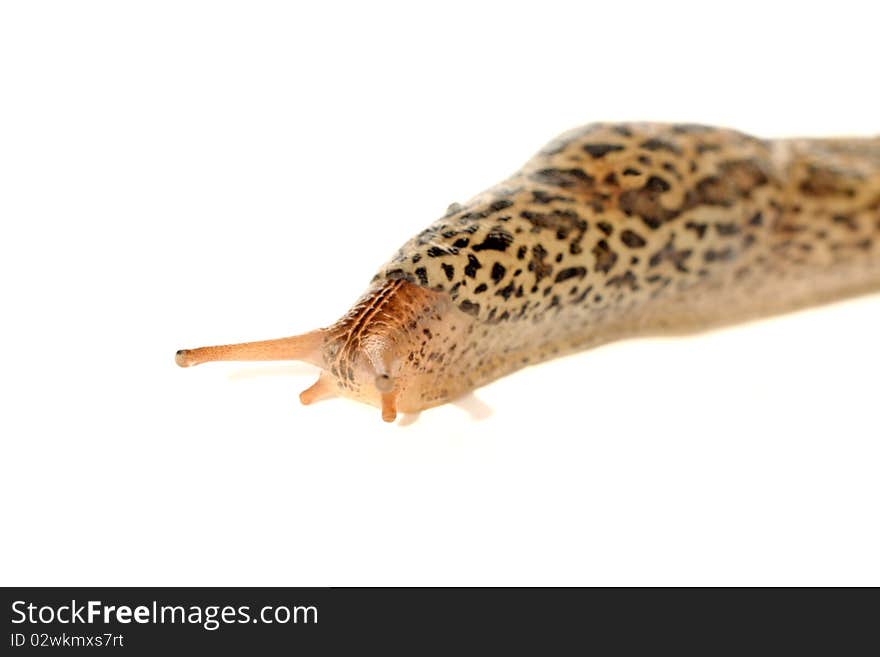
[{"x": 610, "y": 231}]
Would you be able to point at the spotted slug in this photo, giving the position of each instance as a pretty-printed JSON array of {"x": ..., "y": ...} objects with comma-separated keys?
[{"x": 610, "y": 231}]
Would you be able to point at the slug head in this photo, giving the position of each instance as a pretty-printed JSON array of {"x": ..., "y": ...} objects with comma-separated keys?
[
  {"x": 395, "y": 349},
  {"x": 391, "y": 349}
]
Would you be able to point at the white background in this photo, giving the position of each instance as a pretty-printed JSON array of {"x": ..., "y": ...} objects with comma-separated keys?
[{"x": 174, "y": 174}]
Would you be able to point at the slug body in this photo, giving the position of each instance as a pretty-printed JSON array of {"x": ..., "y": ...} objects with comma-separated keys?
[{"x": 610, "y": 231}]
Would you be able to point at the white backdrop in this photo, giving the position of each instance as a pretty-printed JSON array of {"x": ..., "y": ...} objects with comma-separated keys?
[{"x": 174, "y": 174}]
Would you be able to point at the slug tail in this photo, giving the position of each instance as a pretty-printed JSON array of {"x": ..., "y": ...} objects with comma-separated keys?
[{"x": 305, "y": 347}]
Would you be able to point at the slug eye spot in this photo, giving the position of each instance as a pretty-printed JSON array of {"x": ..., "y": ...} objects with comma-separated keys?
[{"x": 384, "y": 383}]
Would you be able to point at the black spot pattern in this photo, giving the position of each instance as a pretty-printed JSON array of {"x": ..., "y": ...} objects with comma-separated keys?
[
  {"x": 598, "y": 151},
  {"x": 472, "y": 266},
  {"x": 498, "y": 272},
  {"x": 632, "y": 239},
  {"x": 497, "y": 240},
  {"x": 571, "y": 272},
  {"x": 605, "y": 257}
]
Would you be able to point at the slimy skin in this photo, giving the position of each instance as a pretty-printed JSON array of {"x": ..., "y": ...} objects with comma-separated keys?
[{"x": 610, "y": 231}]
